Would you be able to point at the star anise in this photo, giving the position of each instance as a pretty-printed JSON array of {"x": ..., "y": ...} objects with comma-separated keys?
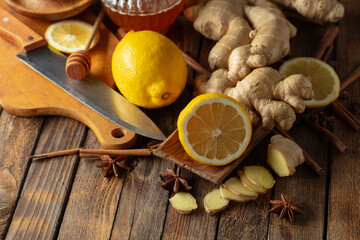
[
  {"x": 174, "y": 181},
  {"x": 113, "y": 166},
  {"x": 286, "y": 206}
]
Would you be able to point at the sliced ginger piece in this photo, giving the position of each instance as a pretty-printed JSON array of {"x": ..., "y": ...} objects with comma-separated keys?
[
  {"x": 260, "y": 176},
  {"x": 183, "y": 202},
  {"x": 234, "y": 185},
  {"x": 227, "y": 194},
  {"x": 284, "y": 155},
  {"x": 213, "y": 202},
  {"x": 249, "y": 185}
]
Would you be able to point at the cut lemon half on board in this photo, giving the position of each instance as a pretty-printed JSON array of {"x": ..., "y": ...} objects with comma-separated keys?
[
  {"x": 214, "y": 129},
  {"x": 69, "y": 36},
  {"x": 325, "y": 81}
]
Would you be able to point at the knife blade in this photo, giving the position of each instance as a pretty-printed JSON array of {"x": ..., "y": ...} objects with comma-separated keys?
[{"x": 89, "y": 91}]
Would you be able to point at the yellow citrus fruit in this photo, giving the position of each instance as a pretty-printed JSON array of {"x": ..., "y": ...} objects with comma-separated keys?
[
  {"x": 214, "y": 129},
  {"x": 149, "y": 69},
  {"x": 325, "y": 81},
  {"x": 69, "y": 36}
]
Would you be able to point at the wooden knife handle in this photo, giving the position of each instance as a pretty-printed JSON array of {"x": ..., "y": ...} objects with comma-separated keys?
[{"x": 13, "y": 30}]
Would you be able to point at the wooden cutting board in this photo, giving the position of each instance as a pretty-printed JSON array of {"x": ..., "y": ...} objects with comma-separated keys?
[{"x": 24, "y": 92}]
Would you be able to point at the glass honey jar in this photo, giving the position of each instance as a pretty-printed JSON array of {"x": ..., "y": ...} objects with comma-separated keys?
[{"x": 156, "y": 15}]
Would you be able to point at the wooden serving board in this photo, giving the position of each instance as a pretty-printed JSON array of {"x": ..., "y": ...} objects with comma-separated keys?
[
  {"x": 24, "y": 92},
  {"x": 172, "y": 150}
]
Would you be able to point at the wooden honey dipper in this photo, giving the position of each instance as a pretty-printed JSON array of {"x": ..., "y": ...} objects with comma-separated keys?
[{"x": 78, "y": 64}]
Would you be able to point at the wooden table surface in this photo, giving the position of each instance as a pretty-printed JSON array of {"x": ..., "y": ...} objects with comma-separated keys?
[{"x": 67, "y": 197}]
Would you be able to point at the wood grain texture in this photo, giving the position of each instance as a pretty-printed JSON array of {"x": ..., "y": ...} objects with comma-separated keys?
[
  {"x": 344, "y": 204},
  {"x": 18, "y": 33},
  {"x": 247, "y": 220},
  {"x": 143, "y": 204},
  {"x": 47, "y": 184},
  {"x": 18, "y": 136},
  {"x": 198, "y": 225},
  {"x": 48, "y": 9},
  {"x": 142, "y": 207},
  {"x": 308, "y": 188},
  {"x": 93, "y": 201}
]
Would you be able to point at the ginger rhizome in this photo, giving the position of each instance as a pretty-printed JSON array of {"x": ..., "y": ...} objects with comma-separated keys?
[
  {"x": 213, "y": 202},
  {"x": 183, "y": 202},
  {"x": 325, "y": 10},
  {"x": 240, "y": 48},
  {"x": 270, "y": 40},
  {"x": 237, "y": 188},
  {"x": 259, "y": 176},
  {"x": 284, "y": 155},
  {"x": 263, "y": 91},
  {"x": 222, "y": 21}
]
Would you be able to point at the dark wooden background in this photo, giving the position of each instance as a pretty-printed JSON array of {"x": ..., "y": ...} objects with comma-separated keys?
[{"x": 67, "y": 197}]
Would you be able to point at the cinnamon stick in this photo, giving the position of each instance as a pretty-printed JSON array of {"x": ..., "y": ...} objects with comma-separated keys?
[
  {"x": 57, "y": 153},
  {"x": 95, "y": 152},
  {"x": 119, "y": 152},
  {"x": 308, "y": 159},
  {"x": 120, "y": 33},
  {"x": 293, "y": 14},
  {"x": 345, "y": 115},
  {"x": 355, "y": 75},
  {"x": 324, "y": 50},
  {"x": 326, "y": 133},
  {"x": 327, "y": 42}
]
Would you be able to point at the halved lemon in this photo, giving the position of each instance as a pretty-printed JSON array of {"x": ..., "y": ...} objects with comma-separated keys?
[
  {"x": 325, "y": 81},
  {"x": 214, "y": 129},
  {"x": 69, "y": 36}
]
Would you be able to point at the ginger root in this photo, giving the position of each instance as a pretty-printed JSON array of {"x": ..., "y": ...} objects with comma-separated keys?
[
  {"x": 284, "y": 155},
  {"x": 213, "y": 202},
  {"x": 227, "y": 194},
  {"x": 275, "y": 99},
  {"x": 183, "y": 202},
  {"x": 270, "y": 40},
  {"x": 264, "y": 91},
  {"x": 240, "y": 48},
  {"x": 235, "y": 185},
  {"x": 249, "y": 185},
  {"x": 259, "y": 176},
  {"x": 222, "y": 21},
  {"x": 325, "y": 10}
]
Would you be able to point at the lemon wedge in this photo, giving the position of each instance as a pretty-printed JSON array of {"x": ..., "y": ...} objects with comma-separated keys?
[
  {"x": 325, "y": 81},
  {"x": 70, "y": 36},
  {"x": 214, "y": 129}
]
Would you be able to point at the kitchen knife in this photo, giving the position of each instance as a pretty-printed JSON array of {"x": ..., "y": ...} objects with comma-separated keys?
[{"x": 89, "y": 91}]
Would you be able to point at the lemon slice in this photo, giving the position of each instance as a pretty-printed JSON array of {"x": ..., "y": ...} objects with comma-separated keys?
[
  {"x": 325, "y": 81},
  {"x": 214, "y": 129},
  {"x": 70, "y": 36}
]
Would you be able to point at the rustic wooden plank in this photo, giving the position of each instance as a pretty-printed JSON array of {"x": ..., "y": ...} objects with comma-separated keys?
[
  {"x": 93, "y": 201},
  {"x": 198, "y": 225},
  {"x": 344, "y": 204},
  {"x": 48, "y": 182},
  {"x": 308, "y": 188},
  {"x": 18, "y": 137},
  {"x": 143, "y": 204},
  {"x": 247, "y": 220}
]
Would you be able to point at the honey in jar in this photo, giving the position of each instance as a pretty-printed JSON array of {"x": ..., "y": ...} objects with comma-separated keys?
[{"x": 156, "y": 15}]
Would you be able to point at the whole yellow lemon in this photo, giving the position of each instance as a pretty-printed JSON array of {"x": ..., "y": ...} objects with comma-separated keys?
[{"x": 149, "y": 69}]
